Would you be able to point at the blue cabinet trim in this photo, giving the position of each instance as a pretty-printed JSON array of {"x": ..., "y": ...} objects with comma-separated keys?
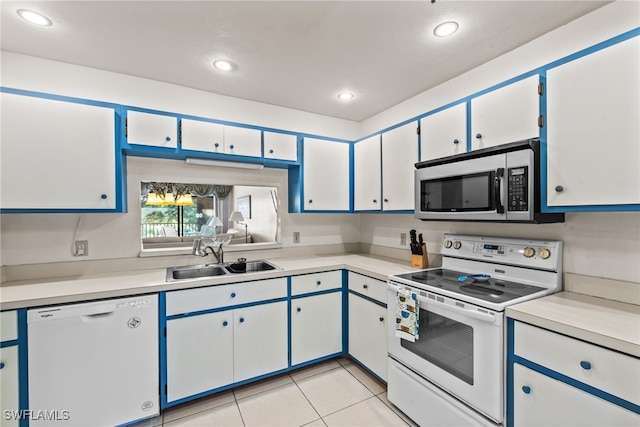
[{"x": 368, "y": 298}]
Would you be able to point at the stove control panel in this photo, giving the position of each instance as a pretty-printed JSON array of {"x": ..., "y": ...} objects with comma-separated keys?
[{"x": 543, "y": 254}]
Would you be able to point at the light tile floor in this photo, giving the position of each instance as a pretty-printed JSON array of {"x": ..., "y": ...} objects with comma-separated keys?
[{"x": 332, "y": 393}]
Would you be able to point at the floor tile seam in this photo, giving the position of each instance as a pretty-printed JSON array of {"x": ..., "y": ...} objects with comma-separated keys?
[
  {"x": 235, "y": 400},
  {"x": 319, "y": 373},
  {"x": 347, "y": 407},
  {"x": 309, "y": 401},
  {"x": 199, "y": 411},
  {"x": 358, "y": 379},
  {"x": 264, "y": 391},
  {"x": 396, "y": 411}
]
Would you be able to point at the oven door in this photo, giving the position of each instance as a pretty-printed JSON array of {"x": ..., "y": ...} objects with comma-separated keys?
[
  {"x": 460, "y": 349},
  {"x": 471, "y": 189}
]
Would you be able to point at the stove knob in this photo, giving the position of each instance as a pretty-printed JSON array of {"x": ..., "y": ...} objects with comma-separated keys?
[
  {"x": 544, "y": 253},
  {"x": 447, "y": 244},
  {"x": 529, "y": 252},
  {"x": 457, "y": 245}
]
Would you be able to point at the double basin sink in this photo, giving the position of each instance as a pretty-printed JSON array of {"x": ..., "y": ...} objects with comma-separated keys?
[{"x": 213, "y": 270}]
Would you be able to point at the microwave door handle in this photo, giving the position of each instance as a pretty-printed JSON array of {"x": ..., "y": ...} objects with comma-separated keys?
[{"x": 496, "y": 190}]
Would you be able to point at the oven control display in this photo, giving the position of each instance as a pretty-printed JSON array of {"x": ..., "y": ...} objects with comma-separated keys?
[{"x": 488, "y": 248}]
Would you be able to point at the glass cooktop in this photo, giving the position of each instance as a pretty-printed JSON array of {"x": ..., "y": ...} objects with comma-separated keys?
[{"x": 486, "y": 289}]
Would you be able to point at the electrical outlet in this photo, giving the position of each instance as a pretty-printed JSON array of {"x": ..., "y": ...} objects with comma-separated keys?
[
  {"x": 296, "y": 237},
  {"x": 81, "y": 248},
  {"x": 403, "y": 239}
]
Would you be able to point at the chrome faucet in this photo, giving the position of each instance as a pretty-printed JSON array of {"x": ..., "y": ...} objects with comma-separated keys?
[{"x": 198, "y": 251}]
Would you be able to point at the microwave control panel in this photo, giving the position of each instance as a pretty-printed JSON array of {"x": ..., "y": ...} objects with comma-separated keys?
[{"x": 518, "y": 189}]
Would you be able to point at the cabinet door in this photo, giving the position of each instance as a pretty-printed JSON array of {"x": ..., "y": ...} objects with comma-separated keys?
[
  {"x": 399, "y": 156},
  {"x": 367, "y": 174},
  {"x": 260, "y": 340},
  {"x": 506, "y": 115},
  {"x": 593, "y": 128},
  {"x": 9, "y": 384},
  {"x": 543, "y": 401},
  {"x": 444, "y": 133},
  {"x": 202, "y": 136},
  {"x": 242, "y": 141},
  {"x": 199, "y": 354},
  {"x": 326, "y": 175},
  {"x": 152, "y": 129},
  {"x": 57, "y": 154},
  {"x": 316, "y": 327},
  {"x": 280, "y": 146},
  {"x": 368, "y": 334}
]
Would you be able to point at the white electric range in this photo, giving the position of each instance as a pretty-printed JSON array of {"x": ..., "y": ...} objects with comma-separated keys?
[{"x": 452, "y": 372}]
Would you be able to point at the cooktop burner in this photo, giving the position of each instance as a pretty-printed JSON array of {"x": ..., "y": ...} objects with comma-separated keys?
[{"x": 491, "y": 289}]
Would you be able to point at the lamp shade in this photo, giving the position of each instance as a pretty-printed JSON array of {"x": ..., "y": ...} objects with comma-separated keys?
[{"x": 236, "y": 216}]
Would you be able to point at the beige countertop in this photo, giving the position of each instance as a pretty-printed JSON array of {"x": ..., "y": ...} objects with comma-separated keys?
[
  {"x": 32, "y": 293},
  {"x": 611, "y": 324}
]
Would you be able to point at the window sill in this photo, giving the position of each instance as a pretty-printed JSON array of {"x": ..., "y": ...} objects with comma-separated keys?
[{"x": 145, "y": 253}]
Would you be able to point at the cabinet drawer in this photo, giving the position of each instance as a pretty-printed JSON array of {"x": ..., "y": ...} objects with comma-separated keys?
[
  {"x": 316, "y": 282},
  {"x": 607, "y": 370},
  {"x": 373, "y": 288},
  {"x": 191, "y": 300},
  {"x": 9, "y": 325}
]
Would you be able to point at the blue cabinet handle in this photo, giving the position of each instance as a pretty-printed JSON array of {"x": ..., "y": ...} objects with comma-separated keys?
[
  {"x": 271, "y": 151},
  {"x": 526, "y": 389},
  {"x": 365, "y": 286},
  {"x": 310, "y": 200},
  {"x": 216, "y": 145},
  {"x": 298, "y": 309},
  {"x": 242, "y": 320},
  {"x": 233, "y": 294},
  {"x": 375, "y": 201},
  {"x": 231, "y": 146},
  {"x": 381, "y": 319},
  {"x": 478, "y": 135},
  {"x": 1, "y": 365},
  {"x": 318, "y": 283},
  {"x": 225, "y": 323},
  {"x": 168, "y": 138},
  {"x": 586, "y": 365},
  {"x": 386, "y": 200},
  {"x": 455, "y": 141},
  {"x": 103, "y": 196},
  {"x": 559, "y": 188}
]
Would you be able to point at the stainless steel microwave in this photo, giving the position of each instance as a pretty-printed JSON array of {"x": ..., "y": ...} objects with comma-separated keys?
[{"x": 500, "y": 183}]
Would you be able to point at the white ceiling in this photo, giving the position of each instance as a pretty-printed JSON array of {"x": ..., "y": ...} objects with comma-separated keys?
[{"x": 297, "y": 54}]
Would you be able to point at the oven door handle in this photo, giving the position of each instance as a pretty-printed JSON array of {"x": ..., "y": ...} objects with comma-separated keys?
[{"x": 485, "y": 317}]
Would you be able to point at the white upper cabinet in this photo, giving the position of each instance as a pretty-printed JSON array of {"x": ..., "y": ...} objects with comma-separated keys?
[
  {"x": 152, "y": 129},
  {"x": 593, "y": 128},
  {"x": 506, "y": 115},
  {"x": 280, "y": 146},
  {"x": 242, "y": 141},
  {"x": 444, "y": 133},
  {"x": 325, "y": 175},
  {"x": 57, "y": 154},
  {"x": 211, "y": 137},
  {"x": 367, "y": 174},
  {"x": 399, "y": 156},
  {"x": 199, "y": 135}
]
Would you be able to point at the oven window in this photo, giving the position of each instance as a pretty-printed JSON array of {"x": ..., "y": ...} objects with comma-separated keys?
[
  {"x": 458, "y": 193},
  {"x": 445, "y": 343}
]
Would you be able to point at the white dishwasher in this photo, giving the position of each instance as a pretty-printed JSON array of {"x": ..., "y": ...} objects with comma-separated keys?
[{"x": 94, "y": 364}]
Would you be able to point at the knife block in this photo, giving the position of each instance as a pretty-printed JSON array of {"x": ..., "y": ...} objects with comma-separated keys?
[{"x": 420, "y": 261}]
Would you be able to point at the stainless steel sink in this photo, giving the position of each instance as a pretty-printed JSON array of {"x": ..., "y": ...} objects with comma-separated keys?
[
  {"x": 194, "y": 272},
  {"x": 213, "y": 270}
]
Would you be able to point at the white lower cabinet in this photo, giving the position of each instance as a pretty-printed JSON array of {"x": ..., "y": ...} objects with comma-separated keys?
[
  {"x": 540, "y": 400},
  {"x": 580, "y": 384},
  {"x": 9, "y": 385},
  {"x": 316, "y": 327},
  {"x": 368, "y": 334}
]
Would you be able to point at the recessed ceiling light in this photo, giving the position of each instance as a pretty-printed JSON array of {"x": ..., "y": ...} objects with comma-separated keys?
[
  {"x": 446, "y": 29},
  {"x": 223, "y": 65},
  {"x": 345, "y": 96},
  {"x": 34, "y": 17}
]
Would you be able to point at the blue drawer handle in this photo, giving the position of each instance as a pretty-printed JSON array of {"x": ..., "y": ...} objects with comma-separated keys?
[
  {"x": 168, "y": 138},
  {"x": 242, "y": 320},
  {"x": 585, "y": 365},
  {"x": 478, "y": 135},
  {"x": 526, "y": 389},
  {"x": 233, "y": 294},
  {"x": 455, "y": 141},
  {"x": 381, "y": 319},
  {"x": 103, "y": 196},
  {"x": 231, "y": 146},
  {"x": 216, "y": 145},
  {"x": 270, "y": 151},
  {"x": 225, "y": 323},
  {"x": 318, "y": 283},
  {"x": 298, "y": 309},
  {"x": 365, "y": 286},
  {"x": 1, "y": 365}
]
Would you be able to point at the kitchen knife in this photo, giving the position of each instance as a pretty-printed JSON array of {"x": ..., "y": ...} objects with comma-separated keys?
[
  {"x": 420, "y": 243},
  {"x": 414, "y": 242}
]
